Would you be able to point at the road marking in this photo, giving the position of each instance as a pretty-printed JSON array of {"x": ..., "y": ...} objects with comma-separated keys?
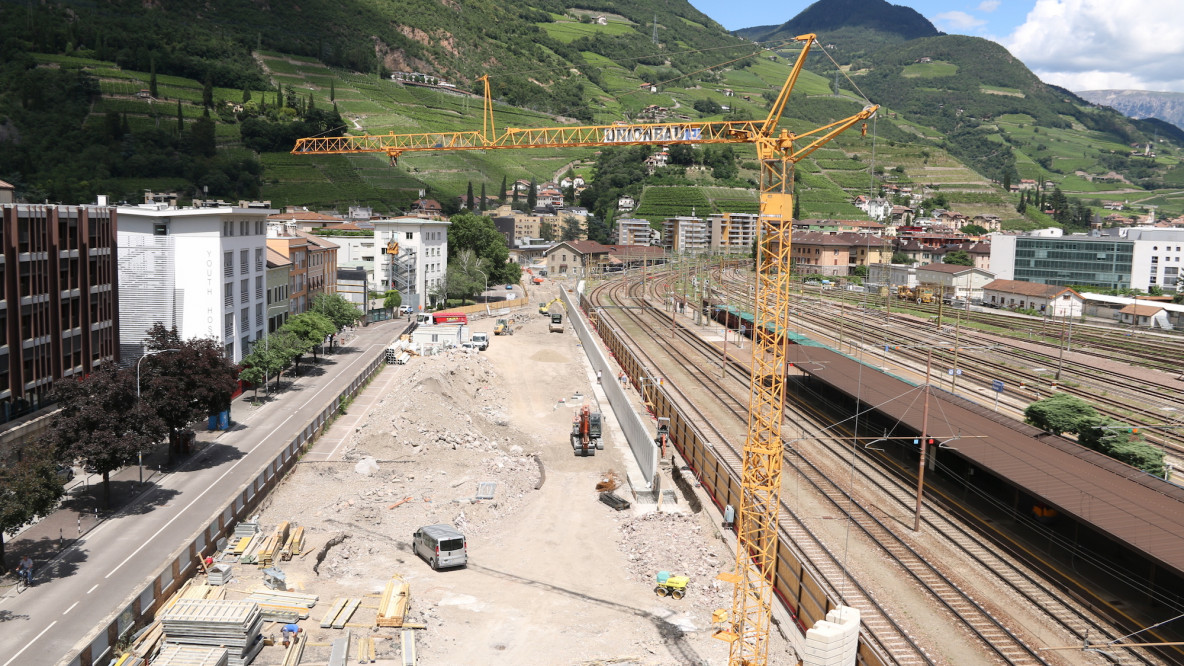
[
  {"x": 218, "y": 480},
  {"x": 92, "y": 589},
  {"x": 30, "y": 643},
  {"x": 70, "y": 608}
]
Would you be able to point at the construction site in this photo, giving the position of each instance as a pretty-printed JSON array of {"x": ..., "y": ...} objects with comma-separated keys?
[{"x": 484, "y": 442}]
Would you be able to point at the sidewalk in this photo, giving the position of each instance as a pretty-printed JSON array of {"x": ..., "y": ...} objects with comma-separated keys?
[{"x": 81, "y": 509}]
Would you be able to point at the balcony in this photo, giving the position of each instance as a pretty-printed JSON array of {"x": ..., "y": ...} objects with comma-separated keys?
[{"x": 228, "y": 270}]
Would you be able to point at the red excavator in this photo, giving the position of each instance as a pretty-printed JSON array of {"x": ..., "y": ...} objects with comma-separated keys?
[{"x": 585, "y": 432}]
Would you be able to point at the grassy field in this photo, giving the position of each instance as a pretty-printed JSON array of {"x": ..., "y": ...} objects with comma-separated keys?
[{"x": 569, "y": 31}]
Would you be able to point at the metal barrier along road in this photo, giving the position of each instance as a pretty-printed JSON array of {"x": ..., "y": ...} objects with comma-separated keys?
[{"x": 637, "y": 433}]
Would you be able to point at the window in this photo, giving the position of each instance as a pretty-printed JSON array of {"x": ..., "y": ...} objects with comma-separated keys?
[
  {"x": 259, "y": 287},
  {"x": 258, "y": 258},
  {"x": 244, "y": 319},
  {"x": 410, "y": 235},
  {"x": 159, "y": 229},
  {"x": 228, "y": 294},
  {"x": 259, "y": 312},
  {"x": 243, "y": 265},
  {"x": 243, "y": 292},
  {"x": 228, "y": 264}
]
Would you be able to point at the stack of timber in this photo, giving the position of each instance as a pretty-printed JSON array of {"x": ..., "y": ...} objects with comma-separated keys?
[
  {"x": 235, "y": 625},
  {"x": 295, "y": 650},
  {"x": 129, "y": 659},
  {"x": 272, "y": 544},
  {"x": 277, "y": 605},
  {"x": 366, "y": 650},
  {"x": 294, "y": 545},
  {"x": 188, "y": 655},
  {"x": 343, "y": 608},
  {"x": 395, "y": 602}
]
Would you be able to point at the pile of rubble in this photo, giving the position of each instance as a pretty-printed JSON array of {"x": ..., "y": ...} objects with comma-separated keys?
[{"x": 679, "y": 544}]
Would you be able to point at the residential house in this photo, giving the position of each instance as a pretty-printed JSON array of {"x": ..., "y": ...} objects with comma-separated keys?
[
  {"x": 322, "y": 266},
  {"x": 578, "y": 258},
  {"x": 412, "y": 258},
  {"x": 429, "y": 206},
  {"x": 302, "y": 219},
  {"x": 279, "y": 274},
  {"x": 625, "y": 203},
  {"x": 835, "y": 254},
  {"x": 1150, "y": 315},
  {"x": 1048, "y": 299},
  {"x": 951, "y": 281},
  {"x": 732, "y": 233},
  {"x": 284, "y": 239}
]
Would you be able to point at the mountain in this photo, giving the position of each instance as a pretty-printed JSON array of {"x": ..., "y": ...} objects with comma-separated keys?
[
  {"x": 1167, "y": 106},
  {"x": 851, "y": 27}
]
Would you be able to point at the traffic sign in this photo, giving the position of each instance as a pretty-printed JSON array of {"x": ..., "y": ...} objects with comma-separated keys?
[
  {"x": 997, "y": 385},
  {"x": 954, "y": 371}
]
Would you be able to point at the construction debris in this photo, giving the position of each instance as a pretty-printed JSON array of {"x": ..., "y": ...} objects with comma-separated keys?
[
  {"x": 395, "y": 601},
  {"x": 613, "y": 501},
  {"x": 609, "y": 481}
]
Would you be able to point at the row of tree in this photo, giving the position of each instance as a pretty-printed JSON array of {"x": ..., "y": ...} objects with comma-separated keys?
[
  {"x": 1064, "y": 413},
  {"x": 299, "y": 335},
  {"x": 106, "y": 419}
]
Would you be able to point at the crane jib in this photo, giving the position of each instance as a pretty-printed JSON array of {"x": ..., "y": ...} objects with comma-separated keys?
[{"x": 653, "y": 134}]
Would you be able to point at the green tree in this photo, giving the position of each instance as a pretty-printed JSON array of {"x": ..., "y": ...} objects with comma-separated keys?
[
  {"x": 1060, "y": 413},
  {"x": 29, "y": 487},
  {"x": 191, "y": 380},
  {"x": 859, "y": 271},
  {"x": 974, "y": 230},
  {"x": 532, "y": 195},
  {"x": 469, "y": 199},
  {"x": 467, "y": 231},
  {"x": 1007, "y": 182},
  {"x": 271, "y": 355},
  {"x": 102, "y": 423},
  {"x": 958, "y": 258},
  {"x": 332, "y": 90},
  {"x": 466, "y": 275},
  {"x": 1120, "y": 441},
  {"x": 310, "y": 329},
  {"x": 899, "y": 257},
  {"x": 207, "y": 92},
  {"x": 571, "y": 228},
  {"x": 391, "y": 300},
  {"x": 180, "y": 119},
  {"x": 481, "y": 207},
  {"x": 337, "y": 309},
  {"x": 501, "y": 194},
  {"x": 152, "y": 89}
]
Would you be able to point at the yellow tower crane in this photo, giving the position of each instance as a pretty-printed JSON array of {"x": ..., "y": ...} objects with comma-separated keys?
[{"x": 747, "y": 627}]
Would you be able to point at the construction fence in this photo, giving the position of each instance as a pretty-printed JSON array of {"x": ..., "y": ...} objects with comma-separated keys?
[{"x": 181, "y": 563}]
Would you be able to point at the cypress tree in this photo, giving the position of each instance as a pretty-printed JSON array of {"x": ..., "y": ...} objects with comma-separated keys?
[
  {"x": 469, "y": 196},
  {"x": 180, "y": 118},
  {"x": 482, "y": 204},
  {"x": 152, "y": 80},
  {"x": 332, "y": 91},
  {"x": 501, "y": 197},
  {"x": 532, "y": 196}
]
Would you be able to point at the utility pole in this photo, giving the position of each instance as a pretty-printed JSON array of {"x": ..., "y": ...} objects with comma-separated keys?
[{"x": 924, "y": 442}]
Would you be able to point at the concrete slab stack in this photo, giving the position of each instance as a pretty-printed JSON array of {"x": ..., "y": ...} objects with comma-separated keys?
[
  {"x": 234, "y": 625},
  {"x": 187, "y": 655}
]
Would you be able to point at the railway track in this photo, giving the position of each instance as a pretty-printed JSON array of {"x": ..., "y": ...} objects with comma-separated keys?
[
  {"x": 1040, "y": 594},
  {"x": 992, "y": 632}
]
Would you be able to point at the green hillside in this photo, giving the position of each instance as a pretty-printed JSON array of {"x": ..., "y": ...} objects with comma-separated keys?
[{"x": 120, "y": 97}]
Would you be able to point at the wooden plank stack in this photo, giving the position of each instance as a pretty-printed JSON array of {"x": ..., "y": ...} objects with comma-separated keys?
[
  {"x": 294, "y": 545},
  {"x": 187, "y": 655},
  {"x": 394, "y": 604},
  {"x": 235, "y": 625},
  {"x": 272, "y": 544},
  {"x": 343, "y": 608}
]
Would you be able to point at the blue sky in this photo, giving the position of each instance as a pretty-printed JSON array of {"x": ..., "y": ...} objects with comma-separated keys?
[{"x": 1076, "y": 44}]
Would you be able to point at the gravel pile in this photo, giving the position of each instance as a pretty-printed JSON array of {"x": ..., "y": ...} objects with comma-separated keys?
[{"x": 677, "y": 543}]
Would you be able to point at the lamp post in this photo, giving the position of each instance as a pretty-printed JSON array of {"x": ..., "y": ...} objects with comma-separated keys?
[{"x": 147, "y": 353}]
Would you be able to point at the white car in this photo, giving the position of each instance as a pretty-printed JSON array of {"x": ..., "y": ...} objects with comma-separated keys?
[{"x": 404, "y": 309}]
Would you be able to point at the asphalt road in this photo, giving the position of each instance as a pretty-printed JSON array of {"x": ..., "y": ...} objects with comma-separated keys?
[{"x": 90, "y": 582}]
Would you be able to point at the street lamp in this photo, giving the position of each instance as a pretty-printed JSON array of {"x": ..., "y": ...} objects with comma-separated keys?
[
  {"x": 147, "y": 353},
  {"x": 484, "y": 294}
]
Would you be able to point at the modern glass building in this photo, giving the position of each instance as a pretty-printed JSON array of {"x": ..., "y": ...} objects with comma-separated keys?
[{"x": 1106, "y": 263}]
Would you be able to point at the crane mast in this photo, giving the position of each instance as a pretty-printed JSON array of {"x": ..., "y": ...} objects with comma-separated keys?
[{"x": 777, "y": 151}]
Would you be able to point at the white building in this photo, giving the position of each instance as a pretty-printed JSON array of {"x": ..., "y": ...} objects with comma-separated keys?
[
  {"x": 732, "y": 232},
  {"x": 1123, "y": 258},
  {"x": 202, "y": 270},
  {"x": 965, "y": 282},
  {"x": 412, "y": 257}
]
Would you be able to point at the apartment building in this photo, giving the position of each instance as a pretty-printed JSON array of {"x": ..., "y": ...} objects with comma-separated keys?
[
  {"x": 58, "y": 299},
  {"x": 632, "y": 231},
  {"x": 732, "y": 233},
  {"x": 686, "y": 235}
]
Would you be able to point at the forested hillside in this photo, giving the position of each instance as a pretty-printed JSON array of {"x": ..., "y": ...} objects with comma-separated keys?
[{"x": 207, "y": 99}]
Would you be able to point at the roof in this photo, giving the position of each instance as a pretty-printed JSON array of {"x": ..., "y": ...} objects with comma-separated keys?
[
  {"x": 1142, "y": 310},
  {"x": 1112, "y": 497},
  {"x": 952, "y": 269},
  {"x": 304, "y": 215},
  {"x": 277, "y": 259},
  {"x": 1021, "y": 288},
  {"x": 343, "y": 226},
  {"x": 583, "y": 247},
  {"x": 6, "y": 186},
  {"x": 627, "y": 251},
  {"x": 845, "y": 239},
  {"x": 321, "y": 243}
]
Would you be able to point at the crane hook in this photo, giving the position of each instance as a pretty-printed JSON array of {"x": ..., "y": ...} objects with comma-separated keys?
[{"x": 863, "y": 129}]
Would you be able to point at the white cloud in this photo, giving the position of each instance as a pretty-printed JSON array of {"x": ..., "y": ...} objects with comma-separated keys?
[
  {"x": 1091, "y": 44},
  {"x": 988, "y": 6},
  {"x": 957, "y": 20}
]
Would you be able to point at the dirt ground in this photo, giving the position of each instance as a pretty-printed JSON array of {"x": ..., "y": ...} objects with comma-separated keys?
[{"x": 554, "y": 575}]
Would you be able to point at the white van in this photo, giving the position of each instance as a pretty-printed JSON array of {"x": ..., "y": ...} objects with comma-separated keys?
[{"x": 441, "y": 545}]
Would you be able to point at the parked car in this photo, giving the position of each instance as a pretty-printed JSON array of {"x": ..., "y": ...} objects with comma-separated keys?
[
  {"x": 441, "y": 545},
  {"x": 404, "y": 309},
  {"x": 509, "y": 287},
  {"x": 65, "y": 473}
]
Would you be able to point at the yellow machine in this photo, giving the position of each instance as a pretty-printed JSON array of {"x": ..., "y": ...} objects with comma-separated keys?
[
  {"x": 777, "y": 152},
  {"x": 545, "y": 308},
  {"x": 674, "y": 586},
  {"x": 503, "y": 328},
  {"x": 904, "y": 293}
]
